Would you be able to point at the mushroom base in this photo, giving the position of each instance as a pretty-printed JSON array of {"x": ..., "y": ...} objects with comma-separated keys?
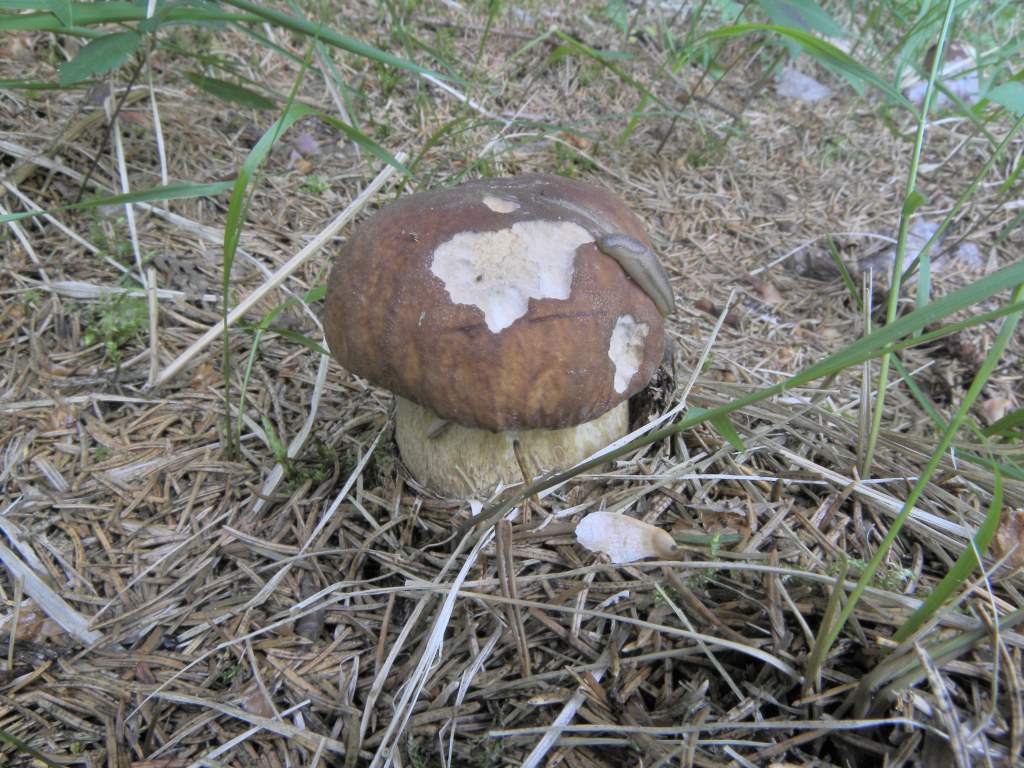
[{"x": 462, "y": 461}]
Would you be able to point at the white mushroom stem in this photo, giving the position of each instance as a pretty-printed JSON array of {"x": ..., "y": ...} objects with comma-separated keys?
[{"x": 461, "y": 461}]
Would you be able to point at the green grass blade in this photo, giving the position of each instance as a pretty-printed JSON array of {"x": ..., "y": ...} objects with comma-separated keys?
[
  {"x": 965, "y": 564},
  {"x": 981, "y": 378},
  {"x": 912, "y": 200},
  {"x": 905, "y": 670},
  {"x": 176, "y": 191},
  {"x": 802, "y": 15},
  {"x": 90, "y": 14},
  {"x": 829, "y": 55},
  {"x": 812, "y": 670},
  {"x": 330, "y": 37},
  {"x": 1010, "y": 426},
  {"x": 723, "y": 426},
  {"x": 62, "y": 10},
  {"x": 229, "y": 92},
  {"x": 21, "y": 746}
]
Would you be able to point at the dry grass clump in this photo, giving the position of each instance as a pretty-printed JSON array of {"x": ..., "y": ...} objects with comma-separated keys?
[{"x": 298, "y": 600}]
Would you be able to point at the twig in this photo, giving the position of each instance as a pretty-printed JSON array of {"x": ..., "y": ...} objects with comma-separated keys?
[{"x": 507, "y": 579}]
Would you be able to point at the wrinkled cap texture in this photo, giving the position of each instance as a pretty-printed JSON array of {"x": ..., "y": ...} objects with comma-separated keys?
[{"x": 491, "y": 304}]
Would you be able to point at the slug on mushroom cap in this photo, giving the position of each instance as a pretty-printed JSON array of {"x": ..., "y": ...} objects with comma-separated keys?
[
  {"x": 525, "y": 309},
  {"x": 641, "y": 263}
]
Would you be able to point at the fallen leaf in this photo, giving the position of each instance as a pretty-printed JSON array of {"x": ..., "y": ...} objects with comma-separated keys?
[
  {"x": 299, "y": 163},
  {"x": 705, "y": 304},
  {"x": 624, "y": 539},
  {"x": 204, "y": 376},
  {"x": 254, "y": 700},
  {"x": 34, "y": 625},
  {"x": 769, "y": 293},
  {"x": 1009, "y": 539},
  {"x": 131, "y": 117},
  {"x": 993, "y": 409}
]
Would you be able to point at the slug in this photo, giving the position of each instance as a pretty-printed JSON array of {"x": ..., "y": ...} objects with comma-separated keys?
[{"x": 642, "y": 265}]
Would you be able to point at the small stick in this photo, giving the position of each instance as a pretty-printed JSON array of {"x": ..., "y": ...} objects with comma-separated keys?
[{"x": 507, "y": 579}]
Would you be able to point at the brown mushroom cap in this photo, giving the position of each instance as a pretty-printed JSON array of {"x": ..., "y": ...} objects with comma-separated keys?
[{"x": 491, "y": 304}]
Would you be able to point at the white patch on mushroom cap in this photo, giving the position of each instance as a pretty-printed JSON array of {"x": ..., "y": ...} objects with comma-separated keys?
[
  {"x": 626, "y": 349},
  {"x": 500, "y": 204},
  {"x": 499, "y": 272}
]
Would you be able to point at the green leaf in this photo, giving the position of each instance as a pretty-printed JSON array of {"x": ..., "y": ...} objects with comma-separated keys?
[
  {"x": 229, "y": 92},
  {"x": 728, "y": 431},
  {"x": 87, "y": 15},
  {"x": 804, "y": 15},
  {"x": 956, "y": 577},
  {"x": 25, "y": 5},
  {"x": 618, "y": 15},
  {"x": 315, "y": 293},
  {"x": 113, "y": 12},
  {"x": 298, "y": 338},
  {"x": 722, "y": 426},
  {"x": 1010, "y": 426},
  {"x": 61, "y": 9},
  {"x": 914, "y": 201},
  {"x": 1010, "y": 95},
  {"x": 278, "y": 448},
  {"x": 98, "y": 56}
]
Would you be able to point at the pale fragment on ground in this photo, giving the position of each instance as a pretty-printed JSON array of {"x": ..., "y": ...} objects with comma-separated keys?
[
  {"x": 959, "y": 77},
  {"x": 793, "y": 84},
  {"x": 918, "y": 236},
  {"x": 624, "y": 539},
  {"x": 964, "y": 258},
  {"x": 968, "y": 256},
  {"x": 967, "y": 88}
]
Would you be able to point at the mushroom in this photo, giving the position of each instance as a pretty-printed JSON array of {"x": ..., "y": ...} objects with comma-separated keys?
[{"x": 523, "y": 310}]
